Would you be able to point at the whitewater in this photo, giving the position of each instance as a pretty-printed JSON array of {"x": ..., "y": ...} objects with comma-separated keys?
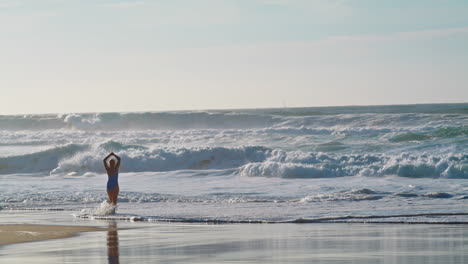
[{"x": 398, "y": 164}]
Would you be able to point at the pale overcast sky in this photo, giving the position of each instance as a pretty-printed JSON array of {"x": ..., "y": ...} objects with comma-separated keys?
[{"x": 130, "y": 55}]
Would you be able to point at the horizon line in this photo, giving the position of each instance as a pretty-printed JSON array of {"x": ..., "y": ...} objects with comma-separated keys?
[{"x": 233, "y": 109}]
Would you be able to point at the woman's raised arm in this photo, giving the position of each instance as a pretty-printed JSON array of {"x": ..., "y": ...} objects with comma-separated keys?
[
  {"x": 105, "y": 160},
  {"x": 118, "y": 160}
]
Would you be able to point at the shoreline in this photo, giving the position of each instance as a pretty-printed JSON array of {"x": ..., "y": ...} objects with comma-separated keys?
[
  {"x": 241, "y": 243},
  {"x": 434, "y": 218},
  {"x": 23, "y": 233},
  {"x": 151, "y": 242}
]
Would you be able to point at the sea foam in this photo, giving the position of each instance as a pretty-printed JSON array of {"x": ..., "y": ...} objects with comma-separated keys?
[{"x": 79, "y": 159}]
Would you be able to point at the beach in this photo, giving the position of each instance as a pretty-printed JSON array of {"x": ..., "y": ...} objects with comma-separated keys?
[
  {"x": 11, "y": 234},
  {"x": 370, "y": 184},
  {"x": 239, "y": 243},
  {"x": 234, "y": 131}
]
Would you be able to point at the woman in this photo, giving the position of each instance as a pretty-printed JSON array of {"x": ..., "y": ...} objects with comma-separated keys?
[{"x": 113, "y": 181}]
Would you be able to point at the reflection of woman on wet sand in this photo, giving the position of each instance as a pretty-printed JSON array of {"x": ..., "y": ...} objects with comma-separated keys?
[
  {"x": 113, "y": 181},
  {"x": 113, "y": 244}
]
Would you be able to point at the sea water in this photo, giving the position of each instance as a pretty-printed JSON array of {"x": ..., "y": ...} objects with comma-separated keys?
[{"x": 404, "y": 163}]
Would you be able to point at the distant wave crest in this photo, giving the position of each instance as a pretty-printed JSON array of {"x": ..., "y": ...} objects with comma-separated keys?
[{"x": 416, "y": 124}]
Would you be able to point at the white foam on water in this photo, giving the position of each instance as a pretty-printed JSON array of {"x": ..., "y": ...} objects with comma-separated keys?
[
  {"x": 75, "y": 160},
  {"x": 103, "y": 209}
]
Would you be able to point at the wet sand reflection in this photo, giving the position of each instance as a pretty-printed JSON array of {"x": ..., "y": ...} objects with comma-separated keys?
[{"x": 113, "y": 244}]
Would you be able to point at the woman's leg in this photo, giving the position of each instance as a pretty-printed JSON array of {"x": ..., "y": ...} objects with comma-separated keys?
[
  {"x": 109, "y": 193},
  {"x": 115, "y": 194}
]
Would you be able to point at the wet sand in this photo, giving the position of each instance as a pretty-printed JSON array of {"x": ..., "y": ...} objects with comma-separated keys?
[
  {"x": 11, "y": 234},
  {"x": 143, "y": 242}
]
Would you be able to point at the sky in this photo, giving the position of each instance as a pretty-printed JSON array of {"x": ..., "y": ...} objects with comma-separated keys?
[{"x": 154, "y": 55}]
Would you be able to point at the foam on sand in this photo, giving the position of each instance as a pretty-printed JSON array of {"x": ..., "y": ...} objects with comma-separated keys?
[{"x": 11, "y": 234}]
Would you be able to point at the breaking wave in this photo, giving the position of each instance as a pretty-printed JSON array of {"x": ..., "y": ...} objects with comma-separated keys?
[{"x": 79, "y": 159}]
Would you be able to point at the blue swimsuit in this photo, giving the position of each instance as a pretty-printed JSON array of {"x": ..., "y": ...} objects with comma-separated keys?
[{"x": 113, "y": 181}]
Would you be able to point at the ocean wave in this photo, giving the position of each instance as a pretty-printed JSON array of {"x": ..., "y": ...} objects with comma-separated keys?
[
  {"x": 81, "y": 159},
  {"x": 43, "y": 161},
  {"x": 441, "y": 132},
  {"x": 352, "y": 122},
  {"x": 461, "y": 108},
  {"x": 162, "y": 159},
  {"x": 406, "y": 194},
  {"x": 409, "y": 137},
  {"x": 63, "y": 198},
  {"x": 137, "y": 121},
  {"x": 323, "y": 166},
  {"x": 452, "y": 131},
  {"x": 438, "y": 195},
  {"x": 290, "y": 170}
]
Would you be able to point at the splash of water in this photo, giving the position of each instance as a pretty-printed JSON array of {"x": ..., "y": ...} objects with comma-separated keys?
[{"x": 103, "y": 209}]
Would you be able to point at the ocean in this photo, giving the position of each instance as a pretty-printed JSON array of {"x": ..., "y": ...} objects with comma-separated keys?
[{"x": 383, "y": 164}]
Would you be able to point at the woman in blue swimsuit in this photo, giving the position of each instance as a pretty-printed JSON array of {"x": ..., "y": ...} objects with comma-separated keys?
[{"x": 113, "y": 181}]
